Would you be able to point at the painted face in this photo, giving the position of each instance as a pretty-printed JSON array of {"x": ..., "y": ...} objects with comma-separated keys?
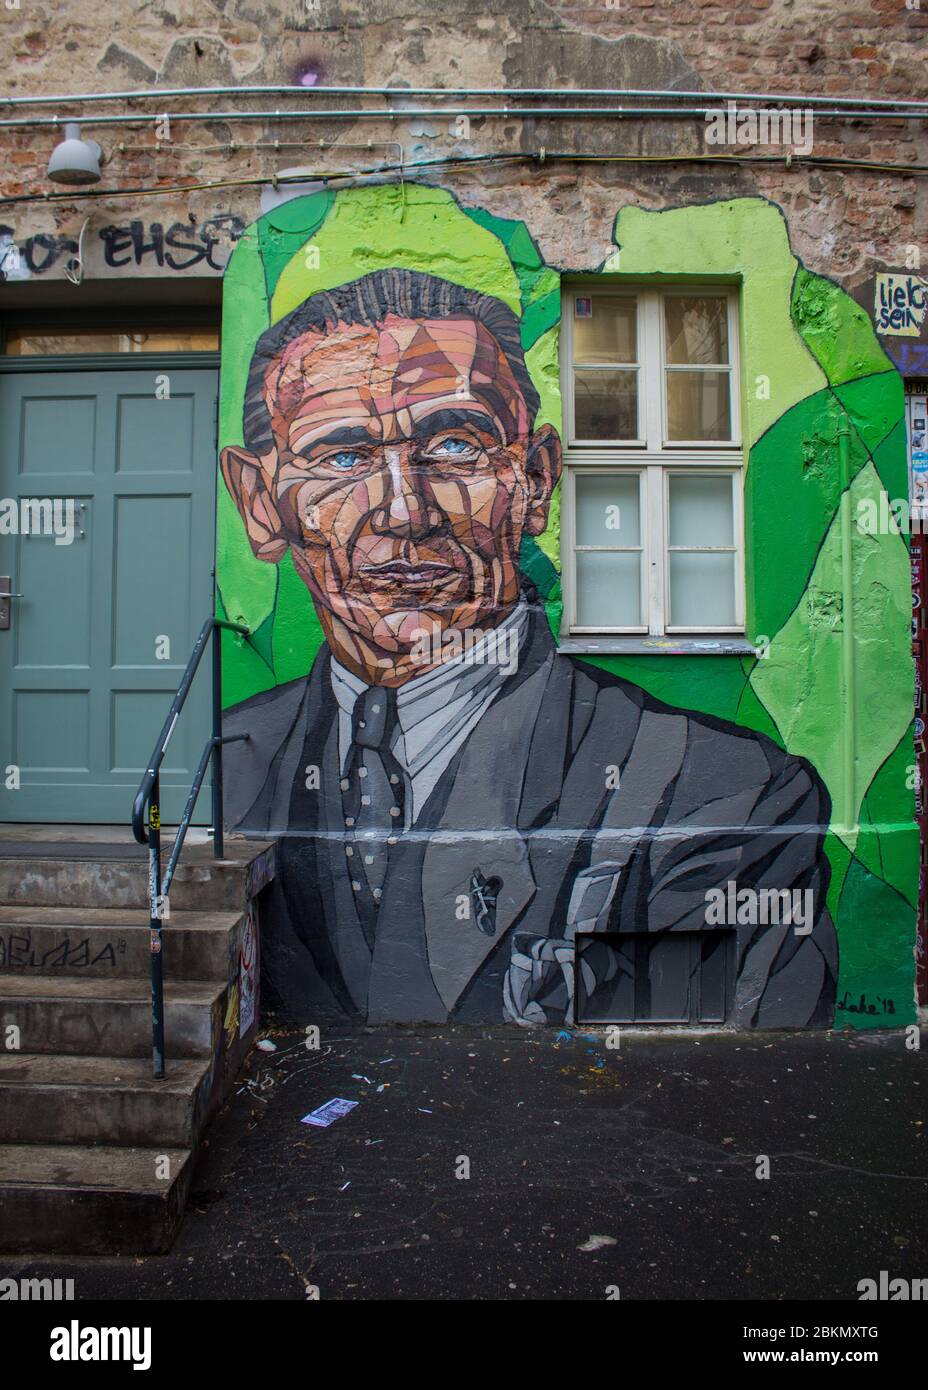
[{"x": 404, "y": 476}]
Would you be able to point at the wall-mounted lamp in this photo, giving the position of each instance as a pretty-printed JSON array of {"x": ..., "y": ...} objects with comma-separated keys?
[{"x": 75, "y": 160}]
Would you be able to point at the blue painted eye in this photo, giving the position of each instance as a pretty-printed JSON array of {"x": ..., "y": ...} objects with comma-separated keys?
[
  {"x": 345, "y": 458},
  {"x": 454, "y": 446}
]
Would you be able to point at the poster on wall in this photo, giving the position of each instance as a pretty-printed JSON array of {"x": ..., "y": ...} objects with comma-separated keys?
[
  {"x": 248, "y": 973},
  {"x": 917, "y": 431}
]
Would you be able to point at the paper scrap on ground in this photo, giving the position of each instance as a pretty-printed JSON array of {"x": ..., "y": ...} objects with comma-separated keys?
[
  {"x": 332, "y": 1110},
  {"x": 597, "y": 1243}
]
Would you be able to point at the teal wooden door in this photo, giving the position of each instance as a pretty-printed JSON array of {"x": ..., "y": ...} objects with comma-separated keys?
[{"x": 96, "y": 646}]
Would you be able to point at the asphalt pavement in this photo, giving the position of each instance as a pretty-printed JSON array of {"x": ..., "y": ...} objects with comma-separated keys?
[{"x": 501, "y": 1164}]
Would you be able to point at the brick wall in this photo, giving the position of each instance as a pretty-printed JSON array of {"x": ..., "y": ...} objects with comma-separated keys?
[{"x": 844, "y": 223}]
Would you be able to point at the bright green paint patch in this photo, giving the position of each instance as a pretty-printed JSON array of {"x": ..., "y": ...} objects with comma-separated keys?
[
  {"x": 539, "y": 285},
  {"x": 801, "y": 680},
  {"x": 413, "y": 228},
  {"x": 248, "y": 586},
  {"x": 837, "y": 330},
  {"x": 244, "y": 319},
  {"x": 544, "y": 368},
  {"x": 746, "y": 240},
  {"x": 752, "y": 714}
]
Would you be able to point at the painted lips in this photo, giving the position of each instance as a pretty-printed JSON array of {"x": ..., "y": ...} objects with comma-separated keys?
[{"x": 408, "y": 573}]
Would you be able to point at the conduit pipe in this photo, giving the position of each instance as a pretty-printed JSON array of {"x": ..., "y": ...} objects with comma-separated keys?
[
  {"x": 417, "y": 113},
  {"x": 291, "y": 89}
]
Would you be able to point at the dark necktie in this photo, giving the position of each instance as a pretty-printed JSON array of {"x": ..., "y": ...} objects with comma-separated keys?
[{"x": 373, "y": 798}]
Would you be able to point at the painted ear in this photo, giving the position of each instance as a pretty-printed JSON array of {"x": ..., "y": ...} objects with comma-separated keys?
[
  {"x": 244, "y": 477},
  {"x": 544, "y": 468}
]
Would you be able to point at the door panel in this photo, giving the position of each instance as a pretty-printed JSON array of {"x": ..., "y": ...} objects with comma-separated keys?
[{"x": 97, "y": 646}]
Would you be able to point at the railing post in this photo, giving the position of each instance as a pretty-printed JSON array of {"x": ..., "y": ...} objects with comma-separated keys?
[
  {"x": 218, "y": 845},
  {"x": 155, "y": 916}
]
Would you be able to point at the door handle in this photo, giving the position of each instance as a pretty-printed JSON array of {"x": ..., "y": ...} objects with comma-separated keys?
[{"x": 5, "y": 597}]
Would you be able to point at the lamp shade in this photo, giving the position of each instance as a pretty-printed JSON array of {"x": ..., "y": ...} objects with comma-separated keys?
[{"x": 75, "y": 160}]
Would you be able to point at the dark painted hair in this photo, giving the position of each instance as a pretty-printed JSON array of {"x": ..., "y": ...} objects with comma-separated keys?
[{"x": 409, "y": 294}]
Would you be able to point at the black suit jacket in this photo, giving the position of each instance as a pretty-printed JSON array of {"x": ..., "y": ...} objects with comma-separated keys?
[{"x": 527, "y": 843}]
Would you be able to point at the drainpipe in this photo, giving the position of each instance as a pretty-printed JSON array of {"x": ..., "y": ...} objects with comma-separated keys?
[{"x": 847, "y": 817}]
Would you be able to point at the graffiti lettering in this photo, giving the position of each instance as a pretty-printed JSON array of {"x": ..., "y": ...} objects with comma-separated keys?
[
  {"x": 18, "y": 950},
  {"x": 132, "y": 244},
  {"x": 125, "y": 245},
  {"x": 901, "y": 304}
]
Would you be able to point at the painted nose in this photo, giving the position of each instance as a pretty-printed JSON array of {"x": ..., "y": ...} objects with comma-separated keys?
[{"x": 404, "y": 511}]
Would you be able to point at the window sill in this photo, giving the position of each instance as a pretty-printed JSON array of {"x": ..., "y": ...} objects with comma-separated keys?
[{"x": 727, "y": 645}]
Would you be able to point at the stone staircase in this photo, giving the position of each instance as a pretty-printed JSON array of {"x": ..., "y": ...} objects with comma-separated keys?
[{"x": 96, "y": 1157}]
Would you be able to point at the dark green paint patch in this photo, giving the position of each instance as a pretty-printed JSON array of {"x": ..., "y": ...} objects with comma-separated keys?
[
  {"x": 876, "y": 938},
  {"x": 839, "y": 857},
  {"x": 793, "y": 486},
  {"x": 892, "y": 464},
  {"x": 297, "y": 630},
  {"x": 888, "y": 845},
  {"x": 284, "y": 231},
  {"x": 875, "y": 406},
  {"x": 704, "y": 684}
]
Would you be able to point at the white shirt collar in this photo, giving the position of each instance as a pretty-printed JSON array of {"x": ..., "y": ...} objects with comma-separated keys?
[{"x": 436, "y": 711}]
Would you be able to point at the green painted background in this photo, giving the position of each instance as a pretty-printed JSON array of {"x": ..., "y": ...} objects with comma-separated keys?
[{"x": 811, "y": 370}]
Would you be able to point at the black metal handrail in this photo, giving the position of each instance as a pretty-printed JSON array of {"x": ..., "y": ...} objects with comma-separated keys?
[{"x": 146, "y": 810}]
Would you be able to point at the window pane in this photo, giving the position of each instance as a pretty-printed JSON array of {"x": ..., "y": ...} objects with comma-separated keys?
[
  {"x": 23, "y": 344},
  {"x": 604, "y": 328},
  {"x": 607, "y": 509},
  {"x": 702, "y": 589},
  {"x": 608, "y": 588},
  {"x": 606, "y": 405},
  {"x": 698, "y": 405},
  {"x": 701, "y": 510},
  {"x": 696, "y": 329}
]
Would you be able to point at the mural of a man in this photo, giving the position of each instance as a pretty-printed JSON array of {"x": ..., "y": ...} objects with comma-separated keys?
[{"x": 459, "y": 803}]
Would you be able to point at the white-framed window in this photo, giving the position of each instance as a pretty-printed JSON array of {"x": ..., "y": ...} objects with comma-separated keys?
[{"x": 652, "y": 525}]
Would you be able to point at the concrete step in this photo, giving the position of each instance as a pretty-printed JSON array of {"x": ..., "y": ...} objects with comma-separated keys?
[
  {"x": 53, "y": 1099},
  {"x": 96, "y": 1155},
  {"x": 108, "y": 943},
  {"x": 110, "y": 1018},
  {"x": 202, "y": 884},
  {"x": 94, "y": 1200}
]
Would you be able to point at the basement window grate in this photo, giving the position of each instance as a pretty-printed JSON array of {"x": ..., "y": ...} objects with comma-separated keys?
[{"x": 655, "y": 977}]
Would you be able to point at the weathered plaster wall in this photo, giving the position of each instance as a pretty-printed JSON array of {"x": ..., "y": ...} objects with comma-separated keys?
[{"x": 843, "y": 223}]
